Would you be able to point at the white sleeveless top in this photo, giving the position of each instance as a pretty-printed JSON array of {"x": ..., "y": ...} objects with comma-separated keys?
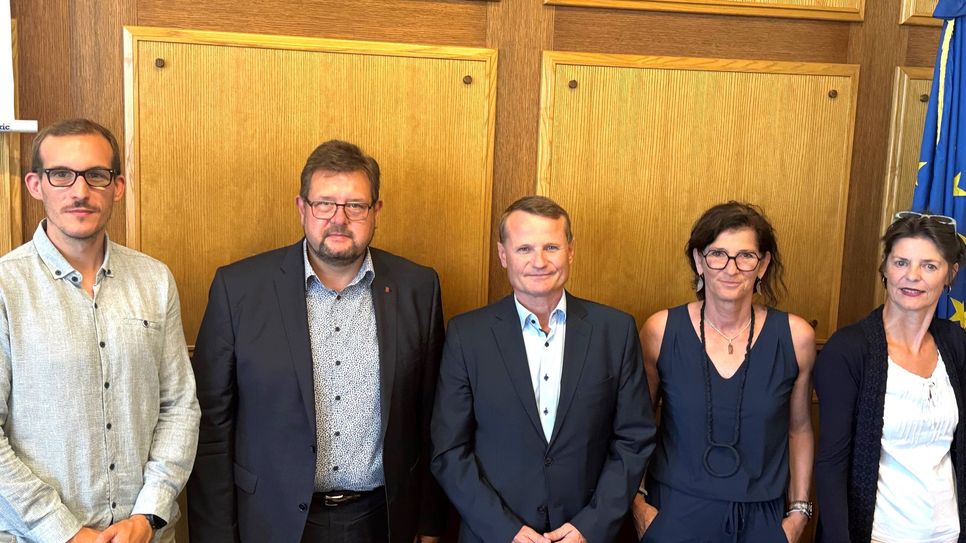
[{"x": 916, "y": 496}]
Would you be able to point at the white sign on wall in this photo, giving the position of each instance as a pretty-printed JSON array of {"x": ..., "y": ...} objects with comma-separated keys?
[{"x": 8, "y": 121}]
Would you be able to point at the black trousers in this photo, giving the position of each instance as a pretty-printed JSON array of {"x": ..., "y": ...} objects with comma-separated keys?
[{"x": 365, "y": 520}]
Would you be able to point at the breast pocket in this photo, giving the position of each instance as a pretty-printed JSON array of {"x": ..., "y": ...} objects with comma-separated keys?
[{"x": 143, "y": 336}]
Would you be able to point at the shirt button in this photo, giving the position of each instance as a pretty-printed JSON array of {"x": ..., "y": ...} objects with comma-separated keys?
[
  {"x": 337, "y": 329},
  {"x": 338, "y": 362},
  {"x": 107, "y": 385},
  {"x": 547, "y": 344},
  {"x": 546, "y": 411},
  {"x": 338, "y": 297},
  {"x": 74, "y": 279},
  {"x": 101, "y": 344},
  {"x": 109, "y": 426},
  {"x": 57, "y": 273},
  {"x": 95, "y": 306},
  {"x": 337, "y": 398},
  {"x": 546, "y": 377},
  {"x": 113, "y": 505},
  {"x": 337, "y": 434},
  {"x": 335, "y": 468},
  {"x": 314, "y": 449},
  {"x": 303, "y": 507},
  {"x": 111, "y": 467},
  {"x": 145, "y": 323}
]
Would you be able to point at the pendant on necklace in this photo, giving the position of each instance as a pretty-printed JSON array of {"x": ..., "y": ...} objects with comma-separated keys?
[{"x": 731, "y": 349}]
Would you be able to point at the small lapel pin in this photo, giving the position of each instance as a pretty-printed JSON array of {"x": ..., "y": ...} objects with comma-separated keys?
[{"x": 387, "y": 290}]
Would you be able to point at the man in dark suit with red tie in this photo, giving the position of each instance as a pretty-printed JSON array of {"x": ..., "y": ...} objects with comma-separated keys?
[
  {"x": 316, "y": 366},
  {"x": 542, "y": 425}
]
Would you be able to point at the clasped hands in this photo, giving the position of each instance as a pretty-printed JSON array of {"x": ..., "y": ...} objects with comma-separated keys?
[
  {"x": 564, "y": 534},
  {"x": 136, "y": 529}
]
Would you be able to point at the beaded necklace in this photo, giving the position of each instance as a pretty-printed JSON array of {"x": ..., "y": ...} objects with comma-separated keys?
[{"x": 726, "y": 445}]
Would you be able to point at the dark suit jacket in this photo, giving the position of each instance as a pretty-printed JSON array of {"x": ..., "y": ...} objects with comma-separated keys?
[
  {"x": 254, "y": 474},
  {"x": 489, "y": 451}
]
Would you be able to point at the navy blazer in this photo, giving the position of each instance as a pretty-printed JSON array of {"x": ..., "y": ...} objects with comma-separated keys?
[
  {"x": 255, "y": 470},
  {"x": 489, "y": 451}
]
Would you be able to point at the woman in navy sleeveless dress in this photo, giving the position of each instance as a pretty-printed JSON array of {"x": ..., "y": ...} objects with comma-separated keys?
[{"x": 734, "y": 455}]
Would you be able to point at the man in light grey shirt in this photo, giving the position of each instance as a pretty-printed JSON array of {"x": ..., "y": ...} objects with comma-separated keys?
[{"x": 98, "y": 415}]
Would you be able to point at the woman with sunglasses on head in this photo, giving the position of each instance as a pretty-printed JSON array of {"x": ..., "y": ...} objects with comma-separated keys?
[
  {"x": 734, "y": 378},
  {"x": 892, "y": 456}
]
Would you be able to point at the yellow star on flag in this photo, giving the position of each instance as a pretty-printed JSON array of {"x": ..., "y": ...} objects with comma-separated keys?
[
  {"x": 956, "y": 190},
  {"x": 960, "y": 315}
]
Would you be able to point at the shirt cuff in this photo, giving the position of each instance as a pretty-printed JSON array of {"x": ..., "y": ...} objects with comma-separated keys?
[
  {"x": 57, "y": 527},
  {"x": 154, "y": 500}
]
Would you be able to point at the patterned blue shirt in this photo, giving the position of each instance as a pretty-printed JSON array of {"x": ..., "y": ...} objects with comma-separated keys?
[{"x": 345, "y": 361}]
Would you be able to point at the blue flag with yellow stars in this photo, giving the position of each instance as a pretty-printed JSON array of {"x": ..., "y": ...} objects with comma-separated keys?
[{"x": 939, "y": 185}]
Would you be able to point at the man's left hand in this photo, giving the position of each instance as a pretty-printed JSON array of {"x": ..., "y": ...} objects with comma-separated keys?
[
  {"x": 426, "y": 539},
  {"x": 566, "y": 534},
  {"x": 136, "y": 529},
  {"x": 794, "y": 525}
]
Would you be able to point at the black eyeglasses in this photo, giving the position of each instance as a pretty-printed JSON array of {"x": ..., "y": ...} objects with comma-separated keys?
[
  {"x": 98, "y": 178},
  {"x": 717, "y": 259},
  {"x": 325, "y": 210}
]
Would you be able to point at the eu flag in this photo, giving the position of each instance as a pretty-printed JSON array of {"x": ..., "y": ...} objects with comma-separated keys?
[{"x": 939, "y": 184}]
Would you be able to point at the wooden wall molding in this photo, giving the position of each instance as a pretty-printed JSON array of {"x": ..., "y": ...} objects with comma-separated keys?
[
  {"x": 919, "y": 12},
  {"x": 909, "y": 106},
  {"x": 635, "y": 147},
  {"x": 214, "y": 160},
  {"x": 833, "y": 10}
]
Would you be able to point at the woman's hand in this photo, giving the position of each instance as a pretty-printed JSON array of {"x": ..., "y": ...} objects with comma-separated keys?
[
  {"x": 794, "y": 526},
  {"x": 644, "y": 514}
]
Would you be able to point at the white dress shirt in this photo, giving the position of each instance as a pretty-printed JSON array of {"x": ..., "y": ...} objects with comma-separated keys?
[{"x": 545, "y": 357}]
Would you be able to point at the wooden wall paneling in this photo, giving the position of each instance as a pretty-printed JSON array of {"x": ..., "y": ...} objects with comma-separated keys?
[
  {"x": 10, "y": 193},
  {"x": 919, "y": 12},
  {"x": 712, "y": 36},
  {"x": 71, "y": 66},
  {"x": 216, "y": 159},
  {"x": 911, "y": 101},
  {"x": 452, "y": 22},
  {"x": 521, "y": 30},
  {"x": 836, "y": 10},
  {"x": 97, "y": 90},
  {"x": 922, "y": 46},
  {"x": 637, "y": 147},
  {"x": 877, "y": 45},
  {"x": 44, "y": 78}
]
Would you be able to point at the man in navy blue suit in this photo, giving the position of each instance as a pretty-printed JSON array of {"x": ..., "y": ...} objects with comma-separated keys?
[
  {"x": 542, "y": 427},
  {"x": 316, "y": 365}
]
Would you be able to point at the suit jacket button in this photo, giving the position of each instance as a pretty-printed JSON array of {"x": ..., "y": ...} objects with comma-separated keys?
[
  {"x": 547, "y": 461},
  {"x": 303, "y": 507},
  {"x": 542, "y": 509}
]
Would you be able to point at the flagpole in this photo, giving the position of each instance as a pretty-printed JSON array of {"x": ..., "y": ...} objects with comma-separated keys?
[{"x": 8, "y": 120}]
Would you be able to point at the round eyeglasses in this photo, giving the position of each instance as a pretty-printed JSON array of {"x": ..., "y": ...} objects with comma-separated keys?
[{"x": 745, "y": 261}]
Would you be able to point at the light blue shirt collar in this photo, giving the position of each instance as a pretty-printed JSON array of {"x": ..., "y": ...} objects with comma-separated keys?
[{"x": 559, "y": 313}]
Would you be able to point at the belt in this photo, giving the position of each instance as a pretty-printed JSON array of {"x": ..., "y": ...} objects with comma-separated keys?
[{"x": 335, "y": 498}]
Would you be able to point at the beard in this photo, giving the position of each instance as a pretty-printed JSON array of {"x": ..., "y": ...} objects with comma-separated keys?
[{"x": 339, "y": 258}]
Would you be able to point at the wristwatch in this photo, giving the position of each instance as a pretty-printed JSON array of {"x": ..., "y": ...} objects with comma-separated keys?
[
  {"x": 156, "y": 522},
  {"x": 802, "y": 507}
]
